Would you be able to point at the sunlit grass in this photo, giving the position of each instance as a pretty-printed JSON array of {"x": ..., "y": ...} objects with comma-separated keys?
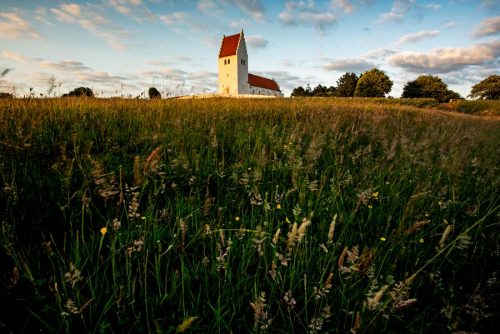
[{"x": 219, "y": 215}]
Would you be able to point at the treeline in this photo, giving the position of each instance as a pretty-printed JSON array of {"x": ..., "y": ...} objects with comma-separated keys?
[{"x": 376, "y": 83}]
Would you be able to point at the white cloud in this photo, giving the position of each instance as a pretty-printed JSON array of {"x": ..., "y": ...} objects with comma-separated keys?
[
  {"x": 379, "y": 53},
  {"x": 256, "y": 42},
  {"x": 239, "y": 24},
  {"x": 418, "y": 36},
  {"x": 304, "y": 13},
  {"x": 66, "y": 65},
  {"x": 208, "y": 7},
  {"x": 344, "y": 5},
  {"x": 13, "y": 26},
  {"x": 398, "y": 12},
  {"x": 348, "y": 65},
  {"x": 68, "y": 13},
  {"x": 449, "y": 24},
  {"x": 488, "y": 27},
  {"x": 103, "y": 78},
  {"x": 447, "y": 59},
  {"x": 174, "y": 18},
  {"x": 113, "y": 38},
  {"x": 132, "y": 8},
  {"x": 14, "y": 56},
  {"x": 433, "y": 6},
  {"x": 253, "y": 8},
  {"x": 93, "y": 22}
]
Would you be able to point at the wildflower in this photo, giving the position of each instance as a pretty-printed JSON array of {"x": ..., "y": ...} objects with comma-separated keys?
[
  {"x": 370, "y": 206},
  {"x": 421, "y": 240},
  {"x": 136, "y": 246},
  {"x": 375, "y": 195},
  {"x": 289, "y": 300},
  {"x": 322, "y": 291},
  {"x": 73, "y": 276},
  {"x": 287, "y": 220},
  {"x": 261, "y": 316},
  {"x": 104, "y": 230},
  {"x": 237, "y": 218},
  {"x": 382, "y": 239},
  {"x": 278, "y": 206},
  {"x": 70, "y": 307},
  {"x": 116, "y": 224}
]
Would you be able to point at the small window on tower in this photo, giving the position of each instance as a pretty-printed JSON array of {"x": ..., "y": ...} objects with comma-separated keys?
[
  {"x": 225, "y": 61},
  {"x": 229, "y": 61}
]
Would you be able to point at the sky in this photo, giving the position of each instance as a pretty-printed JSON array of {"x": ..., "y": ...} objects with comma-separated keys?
[{"x": 123, "y": 47}]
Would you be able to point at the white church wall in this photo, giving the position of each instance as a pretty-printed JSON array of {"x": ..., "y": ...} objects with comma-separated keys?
[
  {"x": 242, "y": 61},
  {"x": 264, "y": 91},
  {"x": 228, "y": 79}
]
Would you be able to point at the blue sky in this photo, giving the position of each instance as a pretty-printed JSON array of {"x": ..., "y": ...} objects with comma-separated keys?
[{"x": 122, "y": 47}]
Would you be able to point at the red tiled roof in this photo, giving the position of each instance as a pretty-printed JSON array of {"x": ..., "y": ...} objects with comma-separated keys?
[
  {"x": 229, "y": 45},
  {"x": 255, "y": 80}
]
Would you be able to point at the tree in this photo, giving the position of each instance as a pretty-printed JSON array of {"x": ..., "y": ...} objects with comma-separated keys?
[
  {"x": 488, "y": 89},
  {"x": 346, "y": 85},
  {"x": 429, "y": 86},
  {"x": 426, "y": 86},
  {"x": 154, "y": 93},
  {"x": 298, "y": 91},
  {"x": 80, "y": 92},
  {"x": 373, "y": 83},
  {"x": 319, "y": 90}
]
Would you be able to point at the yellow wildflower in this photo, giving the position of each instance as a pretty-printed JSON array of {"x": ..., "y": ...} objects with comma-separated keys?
[
  {"x": 278, "y": 206},
  {"x": 383, "y": 239},
  {"x": 104, "y": 230},
  {"x": 421, "y": 240},
  {"x": 287, "y": 220},
  {"x": 370, "y": 206},
  {"x": 237, "y": 218}
]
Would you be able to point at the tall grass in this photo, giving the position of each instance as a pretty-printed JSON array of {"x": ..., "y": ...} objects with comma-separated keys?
[{"x": 222, "y": 215}]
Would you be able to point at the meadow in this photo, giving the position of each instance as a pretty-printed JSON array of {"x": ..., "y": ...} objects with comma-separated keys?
[{"x": 234, "y": 216}]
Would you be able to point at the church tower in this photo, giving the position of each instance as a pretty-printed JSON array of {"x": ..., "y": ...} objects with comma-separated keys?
[{"x": 233, "y": 65}]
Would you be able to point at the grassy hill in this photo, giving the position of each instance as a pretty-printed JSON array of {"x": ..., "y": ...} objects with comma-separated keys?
[{"x": 223, "y": 215}]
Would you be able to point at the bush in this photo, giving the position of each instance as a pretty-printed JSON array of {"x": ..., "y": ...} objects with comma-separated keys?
[
  {"x": 154, "y": 93},
  {"x": 80, "y": 92},
  {"x": 6, "y": 95}
]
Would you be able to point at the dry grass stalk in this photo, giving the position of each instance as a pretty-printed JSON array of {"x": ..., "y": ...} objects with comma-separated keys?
[
  {"x": 357, "y": 324},
  {"x": 152, "y": 160},
  {"x": 292, "y": 236},
  {"x": 301, "y": 232},
  {"x": 331, "y": 230},
  {"x": 137, "y": 171},
  {"x": 342, "y": 257},
  {"x": 446, "y": 234},
  {"x": 373, "y": 302},
  {"x": 417, "y": 226},
  {"x": 276, "y": 236}
]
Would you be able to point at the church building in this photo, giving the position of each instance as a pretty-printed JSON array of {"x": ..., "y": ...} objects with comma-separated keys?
[{"x": 234, "y": 78}]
